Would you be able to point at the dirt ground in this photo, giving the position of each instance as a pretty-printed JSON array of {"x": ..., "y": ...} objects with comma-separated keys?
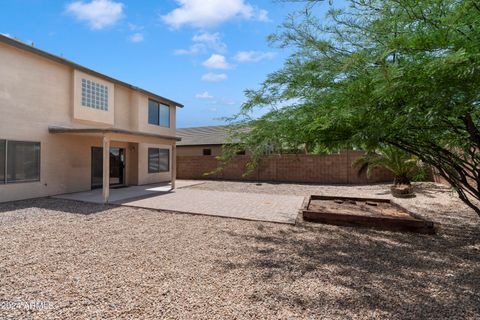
[{"x": 358, "y": 208}]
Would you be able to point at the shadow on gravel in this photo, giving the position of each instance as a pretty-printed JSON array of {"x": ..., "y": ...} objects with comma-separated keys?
[
  {"x": 430, "y": 190},
  {"x": 66, "y": 206},
  {"x": 398, "y": 275}
]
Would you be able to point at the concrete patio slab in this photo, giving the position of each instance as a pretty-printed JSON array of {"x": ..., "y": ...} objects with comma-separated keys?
[
  {"x": 240, "y": 205},
  {"x": 123, "y": 194},
  {"x": 248, "y": 206}
]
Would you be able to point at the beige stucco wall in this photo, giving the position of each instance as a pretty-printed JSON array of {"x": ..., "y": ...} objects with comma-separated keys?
[
  {"x": 91, "y": 115},
  {"x": 132, "y": 164},
  {"x": 198, "y": 150},
  {"x": 36, "y": 93}
]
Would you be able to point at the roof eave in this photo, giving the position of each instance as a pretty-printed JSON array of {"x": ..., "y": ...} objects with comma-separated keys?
[
  {"x": 60, "y": 130},
  {"x": 22, "y": 46},
  {"x": 201, "y": 144}
]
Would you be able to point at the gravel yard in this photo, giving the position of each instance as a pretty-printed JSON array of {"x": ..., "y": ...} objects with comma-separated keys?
[{"x": 93, "y": 262}]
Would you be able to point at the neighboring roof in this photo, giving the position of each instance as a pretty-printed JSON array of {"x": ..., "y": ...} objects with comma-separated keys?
[
  {"x": 20, "y": 45},
  {"x": 211, "y": 135},
  {"x": 54, "y": 129}
]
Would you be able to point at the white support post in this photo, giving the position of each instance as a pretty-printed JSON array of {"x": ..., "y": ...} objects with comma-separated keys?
[
  {"x": 174, "y": 164},
  {"x": 106, "y": 169}
]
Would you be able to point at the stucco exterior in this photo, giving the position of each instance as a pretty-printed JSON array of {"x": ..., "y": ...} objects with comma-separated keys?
[{"x": 37, "y": 93}]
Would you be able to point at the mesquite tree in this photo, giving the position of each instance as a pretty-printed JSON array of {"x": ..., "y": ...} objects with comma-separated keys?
[{"x": 404, "y": 73}]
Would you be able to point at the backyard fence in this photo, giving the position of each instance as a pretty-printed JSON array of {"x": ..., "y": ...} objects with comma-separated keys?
[{"x": 323, "y": 169}]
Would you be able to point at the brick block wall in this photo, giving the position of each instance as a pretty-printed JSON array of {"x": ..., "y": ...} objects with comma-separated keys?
[{"x": 323, "y": 169}]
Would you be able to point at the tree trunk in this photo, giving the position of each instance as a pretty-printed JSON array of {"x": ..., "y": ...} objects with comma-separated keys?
[{"x": 401, "y": 180}]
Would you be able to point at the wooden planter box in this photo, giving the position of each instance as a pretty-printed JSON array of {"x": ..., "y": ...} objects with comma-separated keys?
[{"x": 342, "y": 211}]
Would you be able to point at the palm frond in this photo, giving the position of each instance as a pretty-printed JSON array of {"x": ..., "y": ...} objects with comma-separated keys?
[{"x": 398, "y": 162}]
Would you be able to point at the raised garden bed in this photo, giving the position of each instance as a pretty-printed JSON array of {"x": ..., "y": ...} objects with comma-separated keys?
[{"x": 364, "y": 212}]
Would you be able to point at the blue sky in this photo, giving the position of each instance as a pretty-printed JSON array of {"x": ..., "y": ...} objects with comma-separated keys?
[{"x": 202, "y": 53}]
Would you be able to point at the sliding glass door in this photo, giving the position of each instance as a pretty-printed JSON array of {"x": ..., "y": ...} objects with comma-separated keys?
[{"x": 117, "y": 167}]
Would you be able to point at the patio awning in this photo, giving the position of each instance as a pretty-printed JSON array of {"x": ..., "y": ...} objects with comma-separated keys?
[
  {"x": 65, "y": 130},
  {"x": 112, "y": 134}
]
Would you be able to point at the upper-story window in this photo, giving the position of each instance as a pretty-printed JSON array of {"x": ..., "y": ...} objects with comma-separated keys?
[
  {"x": 158, "y": 114},
  {"x": 94, "y": 95}
]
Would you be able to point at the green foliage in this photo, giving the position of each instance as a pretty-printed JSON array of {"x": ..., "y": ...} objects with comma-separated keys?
[
  {"x": 401, "y": 164},
  {"x": 404, "y": 73},
  {"x": 424, "y": 173}
]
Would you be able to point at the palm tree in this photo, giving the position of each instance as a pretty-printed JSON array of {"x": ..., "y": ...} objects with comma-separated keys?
[{"x": 401, "y": 164}]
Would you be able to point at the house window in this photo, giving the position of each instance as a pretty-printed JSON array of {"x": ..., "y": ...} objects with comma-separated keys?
[
  {"x": 20, "y": 161},
  {"x": 158, "y": 160},
  {"x": 158, "y": 114},
  {"x": 207, "y": 152},
  {"x": 2, "y": 161},
  {"x": 94, "y": 95},
  {"x": 164, "y": 116}
]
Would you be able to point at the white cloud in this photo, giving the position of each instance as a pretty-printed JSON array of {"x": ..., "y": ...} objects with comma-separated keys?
[
  {"x": 214, "y": 77},
  {"x": 6, "y": 35},
  {"x": 204, "y": 96},
  {"x": 135, "y": 27},
  {"x": 216, "y": 61},
  {"x": 212, "y": 40},
  {"x": 202, "y": 42},
  {"x": 136, "y": 37},
  {"x": 206, "y": 37},
  {"x": 197, "y": 48},
  {"x": 210, "y": 13},
  {"x": 228, "y": 102},
  {"x": 97, "y": 13},
  {"x": 262, "y": 15},
  {"x": 224, "y": 102},
  {"x": 253, "y": 56}
]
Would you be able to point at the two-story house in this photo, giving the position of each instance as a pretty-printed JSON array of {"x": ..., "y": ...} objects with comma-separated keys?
[{"x": 65, "y": 128}]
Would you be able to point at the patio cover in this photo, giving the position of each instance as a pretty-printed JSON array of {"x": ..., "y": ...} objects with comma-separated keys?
[{"x": 109, "y": 134}]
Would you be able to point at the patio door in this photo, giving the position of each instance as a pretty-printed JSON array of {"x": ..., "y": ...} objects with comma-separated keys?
[{"x": 117, "y": 167}]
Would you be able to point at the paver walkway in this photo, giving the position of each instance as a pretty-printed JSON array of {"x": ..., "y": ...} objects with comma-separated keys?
[{"x": 249, "y": 206}]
